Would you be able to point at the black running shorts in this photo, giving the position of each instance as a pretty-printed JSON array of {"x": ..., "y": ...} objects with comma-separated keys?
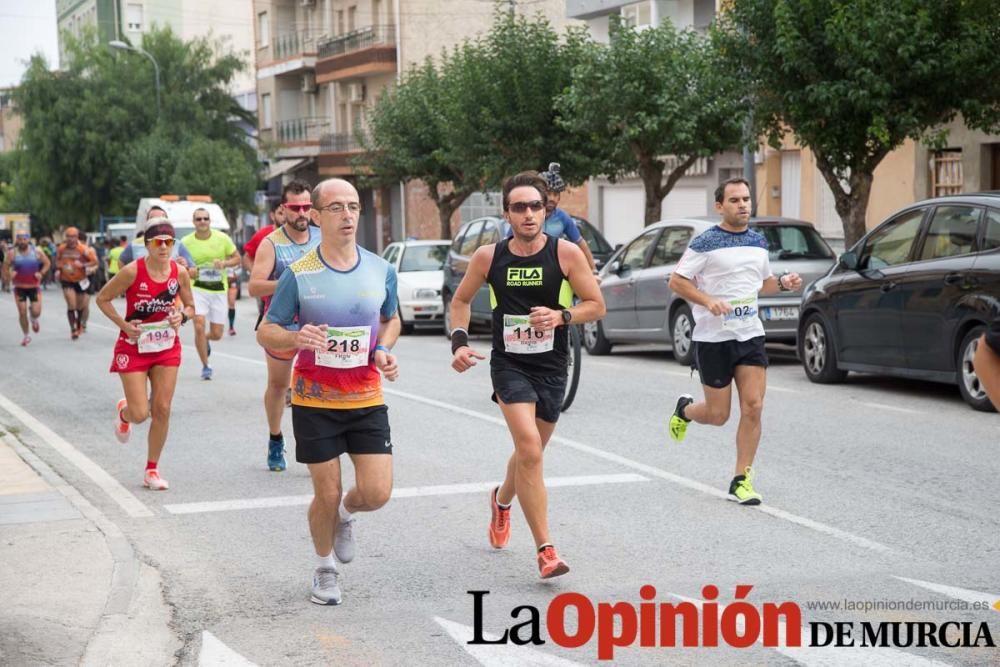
[
  {"x": 516, "y": 386},
  {"x": 26, "y": 294},
  {"x": 322, "y": 434},
  {"x": 77, "y": 287},
  {"x": 717, "y": 362},
  {"x": 993, "y": 335}
]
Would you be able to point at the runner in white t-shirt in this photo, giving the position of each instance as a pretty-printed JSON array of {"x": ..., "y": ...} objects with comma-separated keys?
[{"x": 721, "y": 274}]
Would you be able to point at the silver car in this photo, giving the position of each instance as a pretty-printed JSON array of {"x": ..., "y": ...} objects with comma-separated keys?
[{"x": 642, "y": 309}]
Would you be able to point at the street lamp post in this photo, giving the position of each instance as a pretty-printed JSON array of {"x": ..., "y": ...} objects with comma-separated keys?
[{"x": 117, "y": 44}]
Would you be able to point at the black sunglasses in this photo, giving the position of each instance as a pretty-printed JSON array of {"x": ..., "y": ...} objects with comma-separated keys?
[{"x": 522, "y": 206}]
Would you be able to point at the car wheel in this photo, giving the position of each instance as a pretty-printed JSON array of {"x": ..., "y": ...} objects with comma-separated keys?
[
  {"x": 816, "y": 350},
  {"x": 446, "y": 301},
  {"x": 968, "y": 382},
  {"x": 681, "y": 335},
  {"x": 406, "y": 327},
  {"x": 594, "y": 340}
]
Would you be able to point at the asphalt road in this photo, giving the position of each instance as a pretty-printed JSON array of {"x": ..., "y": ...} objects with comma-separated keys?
[{"x": 874, "y": 490}]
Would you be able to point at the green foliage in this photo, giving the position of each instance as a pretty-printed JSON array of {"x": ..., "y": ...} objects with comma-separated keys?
[
  {"x": 95, "y": 140},
  {"x": 853, "y": 79},
  {"x": 650, "y": 94}
]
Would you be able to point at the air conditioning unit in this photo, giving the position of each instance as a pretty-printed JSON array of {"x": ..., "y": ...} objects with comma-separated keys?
[
  {"x": 356, "y": 93},
  {"x": 309, "y": 83},
  {"x": 308, "y": 3}
]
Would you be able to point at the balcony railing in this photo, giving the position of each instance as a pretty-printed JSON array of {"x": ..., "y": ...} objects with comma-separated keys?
[
  {"x": 373, "y": 35},
  {"x": 340, "y": 143},
  {"x": 299, "y": 130},
  {"x": 288, "y": 44}
]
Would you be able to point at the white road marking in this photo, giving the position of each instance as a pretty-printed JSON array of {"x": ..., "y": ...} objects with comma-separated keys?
[
  {"x": 405, "y": 492},
  {"x": 662, "y": 474},
  {"x": 991, "y": 599},
  {"x": 832, "y": 656},
  {"x": 132, "y": 505},
  {"x": 216, "y": 654},
  {"x": 685, "y": 482},
  {"x": 892, "y": 408},
  {"x": 499, "y": 655}
]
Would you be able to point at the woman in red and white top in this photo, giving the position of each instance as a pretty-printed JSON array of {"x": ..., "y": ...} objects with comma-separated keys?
[{"x": 148, "y": 347}]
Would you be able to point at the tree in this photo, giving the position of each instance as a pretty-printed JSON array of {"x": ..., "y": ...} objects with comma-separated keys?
[
  {"x": 407, "y": 140},
  {"x": 651, "y": 94},
  {"x": 96, "y": 123},
  {"x": 853, "y": 79}
]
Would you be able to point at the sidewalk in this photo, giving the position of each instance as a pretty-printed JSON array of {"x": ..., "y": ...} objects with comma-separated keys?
[{"x": 73, "y": 590}]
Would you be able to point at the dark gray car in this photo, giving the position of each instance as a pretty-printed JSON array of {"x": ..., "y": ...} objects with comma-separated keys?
[{"x": 643, "y": 309}]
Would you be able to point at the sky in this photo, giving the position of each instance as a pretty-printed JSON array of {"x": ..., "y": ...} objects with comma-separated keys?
[{"x": 26, "y": 27}]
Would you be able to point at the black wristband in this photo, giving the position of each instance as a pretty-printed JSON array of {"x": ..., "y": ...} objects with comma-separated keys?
[
  {"x": 184, "y": 319},
  {"x": 459, "y": 338}
]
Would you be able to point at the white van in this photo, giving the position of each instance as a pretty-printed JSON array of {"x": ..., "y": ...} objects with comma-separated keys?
[{"x": 180, "y": 212}]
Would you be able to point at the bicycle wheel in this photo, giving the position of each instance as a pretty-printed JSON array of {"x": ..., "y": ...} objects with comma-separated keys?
[{"x": 573, "y": 379}]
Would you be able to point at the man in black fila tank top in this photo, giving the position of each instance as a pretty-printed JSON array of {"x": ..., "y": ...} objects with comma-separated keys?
[{"x": 532, "y": 278}]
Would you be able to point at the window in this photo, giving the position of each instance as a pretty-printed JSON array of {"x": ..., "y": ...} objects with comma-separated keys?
[
  {"x": 793, "y": 242},
  {"x": 389, "y": 254},
  {"x": 340, "y": 22},
  {"x": 377, "y": 12},
  {"x": 891, "y": 244},
  {"x": 952, "y": 232},
  {"x": 263, "y": 30},
  {"x": 265, "y": 110},
  {"x": 671, "y": 245},
  {"x": 638, "y": 15},
  {"x": 991, "y": 236},
  {"x": 352, "y": 13},
  {"x": 635, "y": 254},
  {"x": 424, "y": 258},
  {"x": 469, "y": 240},
  {"x": 946, "y": 173},
  {"x": 480, "y": 205},
  {"x": 597, "y": 244},
  {"x": 133, "y": 16}
]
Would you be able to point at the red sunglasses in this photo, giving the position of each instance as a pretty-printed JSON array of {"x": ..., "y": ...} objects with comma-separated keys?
[
  {"x": 163, "y": 241},
  {"x": 298, "y": 208}
]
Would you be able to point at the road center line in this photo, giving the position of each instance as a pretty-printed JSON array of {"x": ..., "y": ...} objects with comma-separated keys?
[
  {"x": 404, "y": 492},
  {"x": 885, "y": 406},
  {"x": 132, "y": 505}
]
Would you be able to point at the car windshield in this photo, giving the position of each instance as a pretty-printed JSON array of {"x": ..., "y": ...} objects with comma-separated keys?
[
  {"x": 424, "y": 258},
  {"x": 597, "y": 244},
  {"x": 794, "y": 242}
]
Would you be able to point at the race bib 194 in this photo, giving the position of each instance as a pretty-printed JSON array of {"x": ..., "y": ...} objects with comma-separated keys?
[
  {"x": 519, "y": 337},
  {"x": 156, "y": 337},
  {"x": 346, "y": 347}
]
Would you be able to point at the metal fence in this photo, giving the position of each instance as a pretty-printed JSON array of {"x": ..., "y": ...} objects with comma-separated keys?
[
  {"x": 296, "y": 130},
  {"x": 288, "y": 44},
  {"x": 340, "y": 143},
  {"x": 373, "y": 35}
]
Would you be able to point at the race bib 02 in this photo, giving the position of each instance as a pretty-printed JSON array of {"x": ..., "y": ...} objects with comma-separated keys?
[
  {"x": 156, "y": 337},
  {"x": 519, "y": 337},
  {"x": 346, "y": 347},
  {"x": 743, "y": 315}
]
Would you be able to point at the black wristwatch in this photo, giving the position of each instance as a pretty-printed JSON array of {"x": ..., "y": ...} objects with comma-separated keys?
[
  {"x": 184, "y": 319},
  {"x": 567, "y": 316}
]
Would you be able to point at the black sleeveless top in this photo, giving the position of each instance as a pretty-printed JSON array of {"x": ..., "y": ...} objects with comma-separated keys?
[{"x": 516, "y": 285}]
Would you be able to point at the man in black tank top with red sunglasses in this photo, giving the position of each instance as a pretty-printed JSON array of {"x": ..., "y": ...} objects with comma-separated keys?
[{"x": 532, "y": 279}]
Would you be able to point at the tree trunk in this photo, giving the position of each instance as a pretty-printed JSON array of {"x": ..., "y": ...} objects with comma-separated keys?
[
  {"x": 851, "y": 206},
  {"x": 651, "y": 172},
  {"x": 447, "y": 205}
]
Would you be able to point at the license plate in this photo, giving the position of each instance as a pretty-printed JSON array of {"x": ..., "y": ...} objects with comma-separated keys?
[{"x": 780, "y": 312}]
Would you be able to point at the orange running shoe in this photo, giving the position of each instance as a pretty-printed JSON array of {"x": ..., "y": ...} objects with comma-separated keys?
[
  {"x": 499, "y": 522},
  {"x": 550, "y": 564},
  {"x": 122, "y": 428}
]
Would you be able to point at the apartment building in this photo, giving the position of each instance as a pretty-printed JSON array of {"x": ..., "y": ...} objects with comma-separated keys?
[
  {"x": 10, "y": 122},
  {"x": 321, "y": 64}
]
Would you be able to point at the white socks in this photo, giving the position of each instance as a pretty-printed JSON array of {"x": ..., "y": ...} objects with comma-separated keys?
[
  {"x": 344, "y": 514},
  {"x": 326, "y": 561}
]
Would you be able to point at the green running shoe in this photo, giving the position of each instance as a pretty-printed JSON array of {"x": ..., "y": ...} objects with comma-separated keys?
[
  {"x": 678, "y": 422},
  {"x": 741, "y": 488}
]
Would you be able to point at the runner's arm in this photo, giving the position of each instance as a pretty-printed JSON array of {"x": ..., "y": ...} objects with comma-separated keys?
[
  {"x": 7, "y": 263},
  {"x": 113, "y": 289},
  {"x": 263, "y": 264},
  {"x": 591, "y": 307},
  {"x": 685, "y": 288},
  {"x": 475, "y": 276},
  {"x": 187, "y": 297},
  {"x": 790, "y": 281},
  {"x": 282, "y": 312},
  {"x": 43, "y": 258}
]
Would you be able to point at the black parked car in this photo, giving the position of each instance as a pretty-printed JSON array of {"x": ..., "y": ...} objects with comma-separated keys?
[{"x": 911, "y": 298}]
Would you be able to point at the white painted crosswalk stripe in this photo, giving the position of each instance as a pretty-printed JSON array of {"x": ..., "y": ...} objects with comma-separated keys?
[
  {"x": 403, "y": 492},
  {"x": 991, "y": 599}
]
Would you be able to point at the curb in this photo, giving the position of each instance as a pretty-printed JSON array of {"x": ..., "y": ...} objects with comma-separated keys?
[{"x": 135, "y": 595}]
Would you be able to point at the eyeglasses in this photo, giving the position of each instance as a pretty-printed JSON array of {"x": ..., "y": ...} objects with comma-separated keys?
[
  {"x": 522, "y": 206},
  {"x": 22, "y": 236},
  {"x": 337, "y": 207},
  {"x": 163, "y": 241},
  {"x": 298, "y": 208},
  {"x": 202, "y": 219}
]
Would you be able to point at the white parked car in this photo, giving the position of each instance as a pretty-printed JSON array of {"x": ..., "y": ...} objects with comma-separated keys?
[{"x": 419, "y": 265}]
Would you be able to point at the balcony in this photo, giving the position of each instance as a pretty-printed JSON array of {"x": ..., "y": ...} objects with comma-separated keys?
[
  {"x": 288, "y": 52},
  {"x": 307, "y": 130},
  {"x": 336, "y": 154},
  {"x": 370, "y": 50}
]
